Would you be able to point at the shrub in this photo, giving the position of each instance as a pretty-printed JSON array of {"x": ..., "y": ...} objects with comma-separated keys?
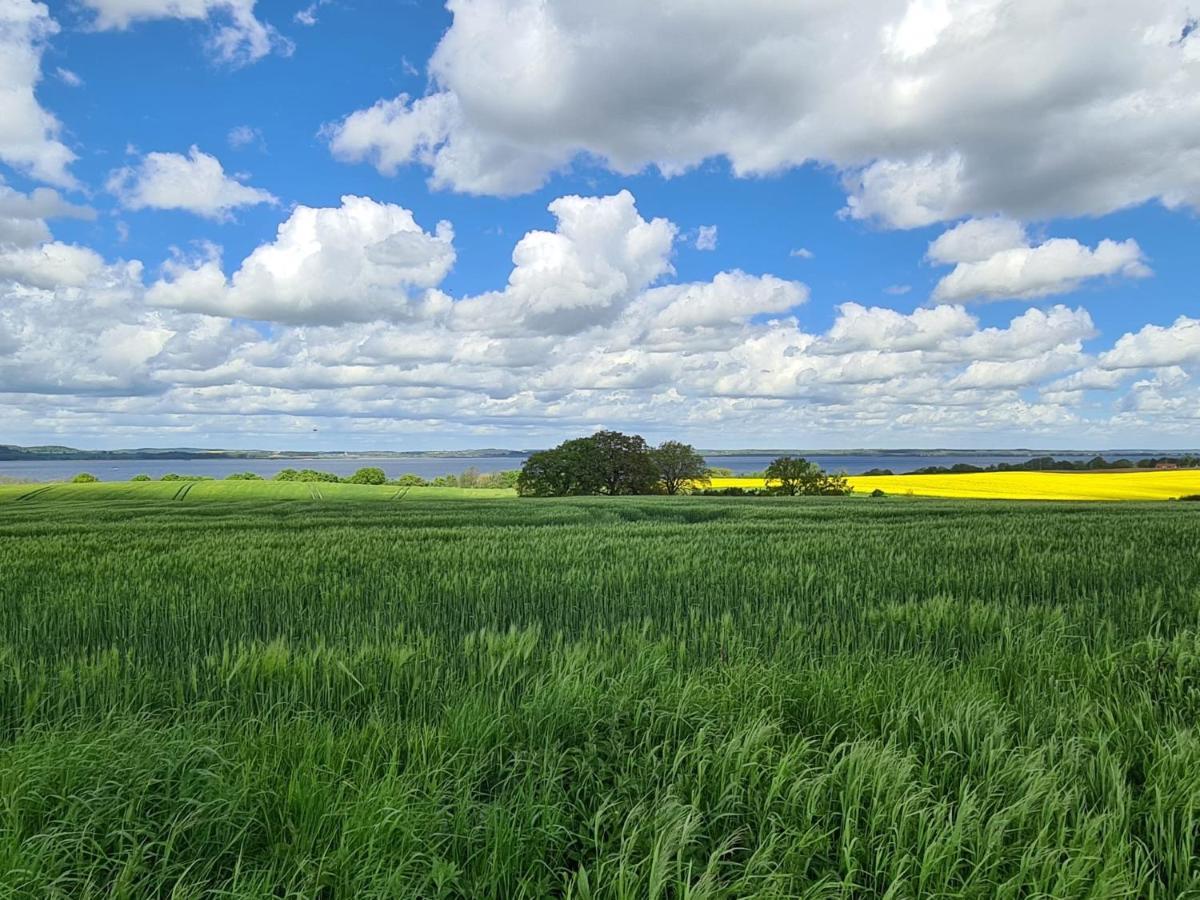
[
  {"x": 305, "y": 475},
  {"x": 141, "y": 478},
  {"x": 878, "y": 493},
  {"x": 408, "y": 479},
  {"x": 243, "y": 476},
  {"x": 84, "y": 478},
  {"x": 368, "y": 475}
]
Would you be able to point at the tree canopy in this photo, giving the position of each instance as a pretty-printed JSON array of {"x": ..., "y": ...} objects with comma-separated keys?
[
  {"x": 679, "y": 466},
  {"x": 792, "y": 475}
]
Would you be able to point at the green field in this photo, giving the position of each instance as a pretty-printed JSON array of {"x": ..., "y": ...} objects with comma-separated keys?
[
  {"x": 206, "y": 696},
  {"x": 149, "y": 491}
]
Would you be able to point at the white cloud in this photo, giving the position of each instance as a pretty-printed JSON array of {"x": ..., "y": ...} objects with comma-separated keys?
[
  {"x": 67, "y": 77},
  {"x": 731, "y": 297},
  {"x": 977, "y": 240},
  {"x": 878, "y": 328},
  {"x": 360, "y": 261},
  {"x": 29, "y": 135},
  {"x": 23, "y": 216},
  {"x": 1016, "y": 373},
  {"x": 196, "y": 183},
  {"x": 243, "y": 136},
  {"x": 308, "y": 16},
  {"x": 996, "y": 261},
  {"x": 802, "y": 253},
  {"x": 1154, "y": 346},
  {"x": 897, "y": 290},
  {"x": 926, "y": 107},
  {"x": 238, "y": 36},
  {"x": 601, "y": 254},
  {"x": 360, "y": 339},
  {"x": 706, "y": 237},
  {"x": 50, "y": 265}
]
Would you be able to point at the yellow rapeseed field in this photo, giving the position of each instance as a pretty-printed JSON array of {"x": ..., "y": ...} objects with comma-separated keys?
[{"x": 1147, "y": 485}]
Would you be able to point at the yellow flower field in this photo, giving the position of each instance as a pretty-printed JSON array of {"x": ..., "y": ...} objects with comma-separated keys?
[{"x": 1147, "y": 485}]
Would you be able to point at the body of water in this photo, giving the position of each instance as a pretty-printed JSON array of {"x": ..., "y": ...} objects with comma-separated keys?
[{"x": 429, "y": 467}]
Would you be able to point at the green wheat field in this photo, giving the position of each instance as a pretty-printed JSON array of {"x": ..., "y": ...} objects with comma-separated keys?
[{"x": 451, "y": 694}]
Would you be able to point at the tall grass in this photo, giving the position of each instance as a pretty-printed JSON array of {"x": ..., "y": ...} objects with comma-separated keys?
[{"x": 599, "y": 698}]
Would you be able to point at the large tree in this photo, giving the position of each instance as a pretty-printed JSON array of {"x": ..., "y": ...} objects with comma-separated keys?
[
  {"x": 569, "y": 469},
  {"x": 625, "y": 464},
  {"x": 608, "y": 462},
  {"x": 679, "y": 466}
]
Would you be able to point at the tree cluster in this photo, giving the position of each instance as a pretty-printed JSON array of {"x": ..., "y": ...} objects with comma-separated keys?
[
  {"x": 610, "y": 462},
  {"x": 613, "y": 463}
]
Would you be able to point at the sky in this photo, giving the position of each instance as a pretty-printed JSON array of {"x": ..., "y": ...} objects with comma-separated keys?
[{"x": 350, "y": 224}]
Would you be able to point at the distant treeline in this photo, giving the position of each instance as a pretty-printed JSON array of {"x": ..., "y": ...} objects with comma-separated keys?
[
  {"x": 15, "y": 453},
  {"x": 470, "y": 478},
  {"x": 1050, "y": 464}
]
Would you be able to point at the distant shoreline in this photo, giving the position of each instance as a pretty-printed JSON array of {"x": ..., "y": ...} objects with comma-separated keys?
[{"x": 14, "y": 453}]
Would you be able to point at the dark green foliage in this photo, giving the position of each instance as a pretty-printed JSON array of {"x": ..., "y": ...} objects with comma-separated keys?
[
  {"x": 617, "y": 697},
  {"x": 793, "y": 475},
  {"x": 174, "y": 476},
  {"x": 141, "y": 478},
  {"x": 243, "y": 476},
  {"x": 878, "y": 493},
  {"x": 309, "y": 475},
  {"x": 608, "y": 462},
  {"x": 368, "y": 475},
  {"x": 409, "y": 480},
  {"x": 679, "y": 466}
]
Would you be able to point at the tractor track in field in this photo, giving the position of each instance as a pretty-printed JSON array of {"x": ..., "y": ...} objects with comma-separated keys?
[
  {"x": 183, "y": 491},
  {"x": 34, "y": 493}
]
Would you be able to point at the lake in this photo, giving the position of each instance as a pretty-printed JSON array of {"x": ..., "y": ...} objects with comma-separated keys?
[{"x": 431, "y": 467}]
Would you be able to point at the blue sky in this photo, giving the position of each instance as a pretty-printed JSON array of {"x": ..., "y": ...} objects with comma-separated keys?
[{"x": 680, "y": 220}]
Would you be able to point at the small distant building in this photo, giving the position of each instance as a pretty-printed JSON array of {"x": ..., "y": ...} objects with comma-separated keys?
[{"x": 1166, "y": 465}]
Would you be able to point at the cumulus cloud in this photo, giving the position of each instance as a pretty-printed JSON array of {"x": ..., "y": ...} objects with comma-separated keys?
[
  {"x": 994, "y": 260},
  {"x": 926, "y": 107},
  {"x": 1156, "y": 345},
  {"x": 23, "y": 216},
  {"x": 590, "y": 328},
  {"x": 600, "y": 255},
  {"x": 360, "y": 261},
  {"x": 238, "y": 36},
  {"x": 196, "y": 183},
  {"x": 29, "y": 135}
]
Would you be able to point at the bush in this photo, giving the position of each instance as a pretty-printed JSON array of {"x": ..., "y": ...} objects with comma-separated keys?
[
  {"x": 84, "y": 478},
  {"x": 408, "y": 479},
  {"x": 305, "y": 475},
  {"x": 878, "y": 493},
  {"x": 141, "y": 478},
  {"x": 1191, "y": 497},
  {"x": 368, "y": 475},
  {"x": 173, "y": 476},
  {"x": 243, "y": 476}
]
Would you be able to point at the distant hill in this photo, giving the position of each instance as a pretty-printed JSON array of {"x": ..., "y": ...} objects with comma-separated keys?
[
  {"x": 53, "y": 452},
  {"x": 57, "y": 452}
]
